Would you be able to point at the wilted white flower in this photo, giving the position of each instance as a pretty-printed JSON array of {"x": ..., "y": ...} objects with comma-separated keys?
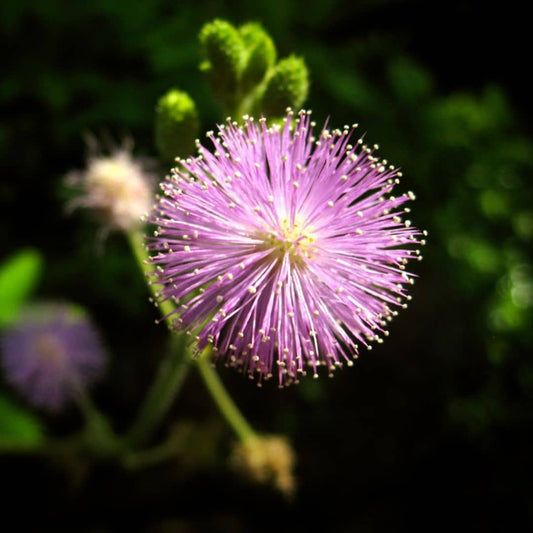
[{"x": 118, "y": 187}]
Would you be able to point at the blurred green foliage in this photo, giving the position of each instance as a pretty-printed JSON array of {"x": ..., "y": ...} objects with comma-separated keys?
[
  {"x": 19, "y": 429},
  {"x": 456, "y": 373},
  {"x": 19, "y": 275}
]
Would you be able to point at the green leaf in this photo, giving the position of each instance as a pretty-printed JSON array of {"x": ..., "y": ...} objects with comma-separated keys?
[
  {"x": 19, "y": 275},
  {"x": 18, "y": 427}
]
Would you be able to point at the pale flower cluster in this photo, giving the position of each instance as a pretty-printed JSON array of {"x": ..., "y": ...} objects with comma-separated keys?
[
  {"x": 267, "y": 459},
  {"x": 117, "y": 187}
]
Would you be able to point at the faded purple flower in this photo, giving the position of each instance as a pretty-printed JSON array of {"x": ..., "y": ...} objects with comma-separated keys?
[
  {"x": 283, "y": 251},
  {"x": 51, "y": 350}
]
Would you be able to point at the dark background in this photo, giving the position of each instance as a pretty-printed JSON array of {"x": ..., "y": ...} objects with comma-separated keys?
[{"x": 429, "y": 431}]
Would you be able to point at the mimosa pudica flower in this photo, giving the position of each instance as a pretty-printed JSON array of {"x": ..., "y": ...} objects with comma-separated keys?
[
  {"x": 49, "y": 352},
  {"x": 283, "y": 251}
]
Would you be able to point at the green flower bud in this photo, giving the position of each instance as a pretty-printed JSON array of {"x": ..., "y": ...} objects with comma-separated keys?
[
  {"x": 225, "y": 57},
  {"x": 261, "y": 55},
  {"x": 287, "y": 86},
  {"x": 176, "y": 125}
]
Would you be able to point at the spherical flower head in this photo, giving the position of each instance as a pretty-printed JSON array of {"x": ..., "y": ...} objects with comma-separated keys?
[
  {"x": 51, "y": 351},
  {"x": 283, "y": 251},
  {"x": 117, "y": 187}
]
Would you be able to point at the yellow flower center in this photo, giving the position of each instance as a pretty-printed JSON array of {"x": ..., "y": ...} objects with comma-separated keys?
[{"x": 292, "y": 239}]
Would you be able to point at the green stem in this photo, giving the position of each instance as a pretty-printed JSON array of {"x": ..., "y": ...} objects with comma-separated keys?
[
  {"x": 245, "y": 106},
  {"x": 136, "y": 241},
  {"x": 165, "y": 386},
  {"x": 141, "y": 459},
  {"x": 223, "y": 399},
  {"x": 99, "y": 435},
  {"x": 173, "y": 368}
]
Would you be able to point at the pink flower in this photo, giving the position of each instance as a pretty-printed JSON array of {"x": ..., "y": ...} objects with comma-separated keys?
[{"x": 281, "y": 251}]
